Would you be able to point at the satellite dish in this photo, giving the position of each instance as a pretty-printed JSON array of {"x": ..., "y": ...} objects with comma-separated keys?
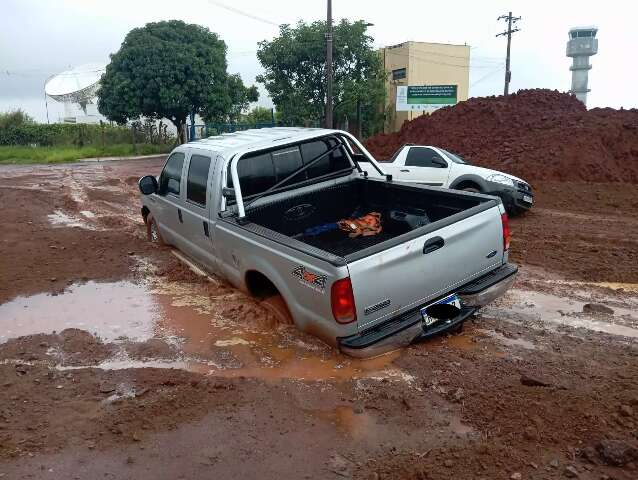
[{"x": 77, "y": 85}]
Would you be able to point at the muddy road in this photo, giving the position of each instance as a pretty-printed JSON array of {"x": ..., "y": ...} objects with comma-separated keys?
[{"x": 117, "y": 361}]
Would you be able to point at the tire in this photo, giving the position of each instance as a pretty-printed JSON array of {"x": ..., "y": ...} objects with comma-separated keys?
[
  {"x": 471, "y": 189},
  {"x": 276, "y": 306},
  {"x": 153, "y": 233}
]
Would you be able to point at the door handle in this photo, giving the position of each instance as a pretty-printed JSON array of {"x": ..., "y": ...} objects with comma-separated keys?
[
  {"x": 433, "y": 244},
  {"x": 179, "y": 215},
  {"x": 406, "y": 171},
  {"x": 206, "y": 228}
]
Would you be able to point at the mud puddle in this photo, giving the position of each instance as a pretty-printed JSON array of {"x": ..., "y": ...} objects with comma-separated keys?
[
  {"x": 366, "y": 426},
  {"x": 107, "y": 310},
  {"x": 221, "y": 333},
  {"x": 544, "y": 309}
]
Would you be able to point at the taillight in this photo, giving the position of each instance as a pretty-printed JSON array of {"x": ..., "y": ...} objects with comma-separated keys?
[
  {"x": 505, "y": 221},
  {"x": 342, "y": 300}
]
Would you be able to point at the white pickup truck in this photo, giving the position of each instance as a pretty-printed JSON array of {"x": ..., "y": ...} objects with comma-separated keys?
[{"x": 436, "y": 167}]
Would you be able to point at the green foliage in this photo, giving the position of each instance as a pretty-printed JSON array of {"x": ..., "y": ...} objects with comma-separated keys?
[
  {"x": 294, "y": 64},
  {"x": 59, "y": 134},
  {"x": 257, "y": 115},
  {"x": 168, "y": 70},
  {"x": 29, "y": 155},
  {"x": 15, "y": 118}
]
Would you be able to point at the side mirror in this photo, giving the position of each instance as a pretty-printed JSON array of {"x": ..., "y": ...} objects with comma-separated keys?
[
  {"x": 148, "y": 185},
  {"x": 439, "y": 162}
]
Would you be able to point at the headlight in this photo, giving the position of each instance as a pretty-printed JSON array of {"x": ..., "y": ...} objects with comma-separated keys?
[{"x": 499, "y": 178}]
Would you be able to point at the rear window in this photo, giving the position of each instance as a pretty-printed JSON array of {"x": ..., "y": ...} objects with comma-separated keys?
[
  {"x": 172, "y": 174},
  {"x": 287, "y": 161},
  {"x": 334, "y": 162},
  {"x": 256, "y": 174},
  {"x": 197, "y": 179}
]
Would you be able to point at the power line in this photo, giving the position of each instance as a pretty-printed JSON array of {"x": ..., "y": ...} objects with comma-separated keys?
[
  {"x": 485, "y": 77},
  {"x": 241, "y": 12}
]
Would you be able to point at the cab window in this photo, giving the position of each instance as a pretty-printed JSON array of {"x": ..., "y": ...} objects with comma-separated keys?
[
  {"x": 197, "y": 180},
  {"x": 424, "y": 157},
  {"x": 172, "y": 174}
]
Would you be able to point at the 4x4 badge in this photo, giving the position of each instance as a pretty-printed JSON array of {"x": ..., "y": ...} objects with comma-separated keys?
[{"x": 309, "y": 279}]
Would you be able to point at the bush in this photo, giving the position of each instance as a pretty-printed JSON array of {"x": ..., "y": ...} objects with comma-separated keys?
[
  {"x": 14, "y": 118},
  {"x": 16, "y": 132}
]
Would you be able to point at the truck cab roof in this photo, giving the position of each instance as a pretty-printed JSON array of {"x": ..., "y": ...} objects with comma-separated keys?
[{"x": 228, "y": 144}]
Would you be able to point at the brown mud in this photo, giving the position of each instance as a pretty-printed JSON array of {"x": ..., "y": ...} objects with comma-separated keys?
[
  {"x": 117, "y": 361},
  {"x": 536, "y": 134}
]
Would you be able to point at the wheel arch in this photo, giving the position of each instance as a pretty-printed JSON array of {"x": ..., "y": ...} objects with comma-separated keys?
[{"x": 469, "y": 181}]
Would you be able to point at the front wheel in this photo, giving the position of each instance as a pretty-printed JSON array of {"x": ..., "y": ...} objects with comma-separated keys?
[
  {"x": 152, "y": 231},
  {"x": 471, "y": 189}
]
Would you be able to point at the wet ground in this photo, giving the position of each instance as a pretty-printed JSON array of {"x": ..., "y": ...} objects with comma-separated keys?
[{"x": 118, "y": 361}]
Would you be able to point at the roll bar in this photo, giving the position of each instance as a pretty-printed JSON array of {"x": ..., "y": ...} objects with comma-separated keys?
[{"x": 237, "y": 187}]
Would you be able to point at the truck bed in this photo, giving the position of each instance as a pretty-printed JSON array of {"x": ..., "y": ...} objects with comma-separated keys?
[{"x": 403, "y": 208}]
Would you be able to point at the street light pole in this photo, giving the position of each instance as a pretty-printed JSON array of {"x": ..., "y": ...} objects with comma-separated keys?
[
  {"x": 329, "y": 67},
  {"x": 46, "y": 103}
]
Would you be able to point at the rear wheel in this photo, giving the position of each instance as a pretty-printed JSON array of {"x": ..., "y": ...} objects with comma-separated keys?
[
  {"x": 276, "y": 306},
  {"x": 152, "y": 231},
  {"x": 471, "y": 189}
]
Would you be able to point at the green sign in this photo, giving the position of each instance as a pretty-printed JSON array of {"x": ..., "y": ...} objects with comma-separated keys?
[{"x": 425, "y": 97}]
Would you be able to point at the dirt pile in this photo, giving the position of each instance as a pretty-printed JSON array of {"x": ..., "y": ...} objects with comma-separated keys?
[{"x": 535, "y": 134}]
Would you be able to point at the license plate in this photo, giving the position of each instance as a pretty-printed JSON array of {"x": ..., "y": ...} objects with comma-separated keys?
[
  {"x": 528, "y": 199},
  {"x": 452, "y": 300}
]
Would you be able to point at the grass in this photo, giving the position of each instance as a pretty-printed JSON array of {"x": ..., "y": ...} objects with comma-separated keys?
[{"x": 28, "y": 155}]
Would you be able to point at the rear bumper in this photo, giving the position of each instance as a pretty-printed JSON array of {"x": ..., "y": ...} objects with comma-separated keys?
[{"x": 407, "y": 328}]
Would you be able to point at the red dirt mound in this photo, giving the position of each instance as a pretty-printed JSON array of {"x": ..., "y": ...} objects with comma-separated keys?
[{"x": 535, "y": 134}]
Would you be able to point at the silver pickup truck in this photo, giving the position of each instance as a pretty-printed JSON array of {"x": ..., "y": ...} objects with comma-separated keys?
[{"x": 263, "y": 209}]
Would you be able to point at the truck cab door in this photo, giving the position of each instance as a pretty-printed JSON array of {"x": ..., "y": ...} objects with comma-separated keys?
[
  {"x": 198, "y": 204},
  {"x": 424, "y": 165},
  {"x": 167, "y": 203}
]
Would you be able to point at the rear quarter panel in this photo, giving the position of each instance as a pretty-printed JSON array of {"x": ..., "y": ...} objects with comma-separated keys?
[{"x": 303, "y": 280}]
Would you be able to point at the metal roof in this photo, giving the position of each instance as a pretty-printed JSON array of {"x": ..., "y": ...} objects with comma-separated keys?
[
  {"x": 255, "y": 139},
  {"x": 580, "y": 29}
]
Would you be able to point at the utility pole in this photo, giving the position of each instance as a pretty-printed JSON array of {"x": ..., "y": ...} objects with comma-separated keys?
[
  {"x": 510, "y": 20},
  {"x": 329, "y": 67}
]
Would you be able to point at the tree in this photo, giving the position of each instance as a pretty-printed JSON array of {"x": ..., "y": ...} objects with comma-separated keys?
[
  {"x": 169, "y": 70},
  {"x": 15, "y": 118},
  {"x": 258, "y": 115},
  {"x": 294, "y": 64},
  {"x": 240, "y": 98}
]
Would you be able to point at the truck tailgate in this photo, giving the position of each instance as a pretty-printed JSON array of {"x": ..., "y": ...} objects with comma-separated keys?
[{"x": 390, "y": 282}]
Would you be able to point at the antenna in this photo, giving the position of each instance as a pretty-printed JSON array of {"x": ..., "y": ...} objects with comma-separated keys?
[{"x": 77, "y": 86}]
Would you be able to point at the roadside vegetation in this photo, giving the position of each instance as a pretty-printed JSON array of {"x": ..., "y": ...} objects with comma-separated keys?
[
  {"x": 22, "y": 140},
  {"x": 29, "y": 155}
]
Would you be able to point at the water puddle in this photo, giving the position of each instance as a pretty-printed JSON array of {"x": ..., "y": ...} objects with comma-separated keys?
[
  {"x": 108, "y": 310},
  {"x": 543, "y": 308},
  {"x": 61, "y": 219},
  {"x": 362, "y": 425},
  {"x": 510, "y": 342},
  {"x": 213, "y": 331}
]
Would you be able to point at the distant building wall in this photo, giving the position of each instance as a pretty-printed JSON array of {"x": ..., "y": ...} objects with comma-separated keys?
[{"x": 423, "y": 63}]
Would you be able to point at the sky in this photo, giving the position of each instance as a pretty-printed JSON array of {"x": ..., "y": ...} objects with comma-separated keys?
[{"x": 39, "y": 38}]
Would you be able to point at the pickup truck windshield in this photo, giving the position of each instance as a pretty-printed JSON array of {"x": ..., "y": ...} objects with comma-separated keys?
[
  {"x": 259, "y": 172},
  {"x": 454, "y": 157}
]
